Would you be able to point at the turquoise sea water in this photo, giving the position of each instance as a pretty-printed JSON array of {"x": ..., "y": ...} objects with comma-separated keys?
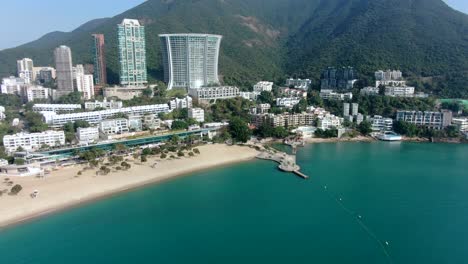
[{"x": 413, "y": 196}]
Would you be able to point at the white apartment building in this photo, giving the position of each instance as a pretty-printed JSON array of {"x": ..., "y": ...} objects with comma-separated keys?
[
  {"x": 288, "y": 102},
  {"x": 369, "y": 91},
  {"x": 197, "y": 114},
  {"x": 283, "y": 120},
  {"x": 461, "y": 124},
  {"x": 2, "y": 113},
  {"x": 84, "y": 83},
  {"x": 292, "y": 92},
  {"x": 104, "y": 104},
  {"x": 252, "y": 96},
  {"x": 399, "y": 91},
  {"x": 135, "y": 123},
  {"x": 33, "y": 141},
  {"x": 114, "y": 126},
  {"x": 87, "y": 135},
  {"x": 56, "y": 108},
  {"x": 299, "y": 83},
  {"x": 433, "y": 120},
  {"x": 181, "y": 103},
  {"x": 151, "y": 122},
  {"x": 26, "y": 70},
  {"x": 388, "y": 75},
  {"x": 12, "y": 85},
  {"x": 214, "y": 93},
  {"x": 330, "y": 95},
  {"x": 96, "y": 117},
  {"x": 380, "y": 123},
  {"x": 263, "y": 86},
  {"x": 329, "y": 121},
  {"x": 31, "y": 93},
  {"x": 263, "y": 108}
]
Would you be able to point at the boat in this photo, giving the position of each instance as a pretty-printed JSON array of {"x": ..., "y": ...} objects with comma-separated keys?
[{"x": 389, "y": 136}]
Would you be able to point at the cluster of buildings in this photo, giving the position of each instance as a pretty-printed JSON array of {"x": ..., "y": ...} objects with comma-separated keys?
[
  {"x": 393, "y": 85},
  {"x": 313, "y": 116}
]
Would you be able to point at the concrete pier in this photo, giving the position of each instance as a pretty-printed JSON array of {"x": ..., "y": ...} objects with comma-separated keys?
[{"x": 287, "y": 163}]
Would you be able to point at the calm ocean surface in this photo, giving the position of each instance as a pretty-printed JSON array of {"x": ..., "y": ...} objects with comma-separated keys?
[{"x": 360, "y": 196}]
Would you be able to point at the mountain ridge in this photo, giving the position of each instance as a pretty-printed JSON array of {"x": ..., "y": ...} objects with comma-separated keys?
[{"x": 272, "y": 39}]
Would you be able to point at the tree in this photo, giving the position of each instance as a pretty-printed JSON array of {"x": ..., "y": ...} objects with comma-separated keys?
[
  {"x": 179, "y": 125},
  {"x": 196, "y": 151},
  {"x": 16, "y": 189},
  {"x": 239, "y": 130},
  {"x": 301, "y": 106},
  {"x": 163, "y": 156},
  {"x": 266, "y": 97},
  {"x": 147, "y": 151},
  {"x": 452, "y": 131},
  {"x": 34, "y": 122},
  {"x": 191, "y": 154},
  {"x": 180, "y": 154},
  {"x": 315, "y": 99},
  {"x": 120, "y": 148},
  {"x": 19, "y": 161},
  {"x": 148, "y": 92},
  {"x": 175, "y": 139},
  {"x": 71, "y": 98},
  {"x": 143, "y": 158},
  {"x": 125, "y": 165},
  {"x": 365, "y": 128},
  {"x": 405, "y": 128}
]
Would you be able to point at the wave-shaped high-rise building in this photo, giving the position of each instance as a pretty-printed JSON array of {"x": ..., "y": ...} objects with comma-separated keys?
[{"x": 190, "y": 60}]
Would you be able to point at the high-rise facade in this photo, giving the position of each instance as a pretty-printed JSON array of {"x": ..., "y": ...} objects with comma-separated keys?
[
  {"x": 26, "y": 70},
  {"x": 83, "y": 82},
  {"x": 64, "y": 70},
  {"x": 338, "y": 79},
  {"x": 132, "y": 53},
  {"x": 190, "y": 60},
  {"x": 100, "y": 72}
]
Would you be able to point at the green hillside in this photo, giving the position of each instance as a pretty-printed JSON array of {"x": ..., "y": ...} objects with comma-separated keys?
[{"x": 272, "y": 39}]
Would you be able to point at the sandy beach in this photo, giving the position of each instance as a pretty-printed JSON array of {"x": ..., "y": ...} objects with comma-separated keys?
[{"x": 63, "y": 188}]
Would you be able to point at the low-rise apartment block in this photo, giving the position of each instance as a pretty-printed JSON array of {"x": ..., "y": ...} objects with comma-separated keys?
[
  {"x": 56, "y": 108},
  {"x": 283, "y": 120},
  {"x": 33, "y": 141},
  {"x": 329, "y": 121},
  {"x": 207, "y": 94},
  {"x": 197, "y": 114},
  {"x": 114, "y": 126},
  {"x": 91, "y": 106},
  {"x": 299, "y": 83},
  {"x": 366, "y": 91},
  {"x": 330, "y": 95},
  {"x": 461, "y": 124},
  {"x": 288, "y": 102},
  {"x": 263, "y": 87},
  {"x": 380, "y": 123},
  {"x": 433, "y": 120},
  {"x": 181, "y": 103},
  {"x": 87, "y": 135},
  {"x": 96, "y": 117},
  {"x": 399, "y": 91},
  {"x": 31, "y": 93}
]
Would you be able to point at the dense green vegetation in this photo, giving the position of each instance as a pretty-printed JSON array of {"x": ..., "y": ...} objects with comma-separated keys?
[
  {"x": 269, "y": 40},
  {"x": 411, "y": 130}
]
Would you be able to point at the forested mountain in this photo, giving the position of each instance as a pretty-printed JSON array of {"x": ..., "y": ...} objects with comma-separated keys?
[{"x": 272, "y": 39}]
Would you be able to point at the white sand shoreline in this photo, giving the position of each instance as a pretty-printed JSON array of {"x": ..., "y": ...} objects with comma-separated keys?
[{"x": 63, "y": 190}]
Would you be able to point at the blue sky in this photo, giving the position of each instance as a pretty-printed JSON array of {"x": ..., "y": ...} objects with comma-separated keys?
[{"x": 34, "y": 18}]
